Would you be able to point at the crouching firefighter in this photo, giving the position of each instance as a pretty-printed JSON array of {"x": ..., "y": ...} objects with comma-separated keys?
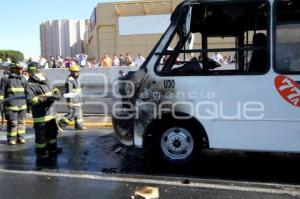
[
  {"x": 41, "y": 100},
  {"x": 73, "y": 89},
  {"x": 12, "y": 89}
]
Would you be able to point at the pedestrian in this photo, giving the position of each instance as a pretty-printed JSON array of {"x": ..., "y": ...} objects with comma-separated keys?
[
  {"x": 217, "y": 57},
  {"x": 52, "y": 63},
  {"x": 129, "y": 60},
  {"x": 82, "y": 59},
  {"x": 67, "y": 62},
  {"x": 259, "y": 62},
  {"x": 115, "y": 61},
  {"x": 91, "y": 62},
  {"x": 122, "y": 60},
  {"x": 94, "y": 63},
  {"x": 60, "y": 62},
  {"x": 106, "y": 61},
  {"x": 74, "y": 61},
  {"x": 12, "y": 86},
  {"x": 41, "y": 100},
  {"x": 225, "y": 60},
  {"x": 139, "y": 60},
  {"x": 43, "y": 62},
  {"x": 73, "y": 87}
]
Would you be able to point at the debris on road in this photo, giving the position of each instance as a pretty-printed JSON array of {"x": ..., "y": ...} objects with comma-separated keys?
[
  {"x": 186, "y": 181},
  {"x": 148, "y": 192}
]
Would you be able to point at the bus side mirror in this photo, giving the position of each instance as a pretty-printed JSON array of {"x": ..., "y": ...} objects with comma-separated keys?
[{"x": 187, "y": 23}]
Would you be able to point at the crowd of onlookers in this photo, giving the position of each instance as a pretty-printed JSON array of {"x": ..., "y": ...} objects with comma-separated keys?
[
  {"x": 107, "y": 61},
  {"x": 121, "y": 60},
  {"x": 90, "y": 62}
]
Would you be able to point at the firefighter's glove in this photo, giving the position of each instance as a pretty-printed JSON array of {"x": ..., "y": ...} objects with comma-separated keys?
[
  {"x": 51, "y": 100},
  {"x": 42, "y": 99},
  {"x": 47, "y": 100}
]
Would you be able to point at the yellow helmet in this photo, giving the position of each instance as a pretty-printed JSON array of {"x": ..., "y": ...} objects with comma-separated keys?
[{"x": 74, "y": 68}]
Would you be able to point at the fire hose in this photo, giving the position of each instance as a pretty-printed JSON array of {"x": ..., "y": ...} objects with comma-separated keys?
[{"x": 67, "y": 95}]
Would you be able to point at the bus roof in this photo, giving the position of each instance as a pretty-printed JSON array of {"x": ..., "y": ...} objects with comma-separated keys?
[{"x": 224, "y": 17}]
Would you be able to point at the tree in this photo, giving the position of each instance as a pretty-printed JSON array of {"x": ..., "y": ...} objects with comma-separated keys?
[{"x": 15, "y": 56}]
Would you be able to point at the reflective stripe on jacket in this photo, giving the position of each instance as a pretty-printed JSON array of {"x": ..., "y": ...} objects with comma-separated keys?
[
  {"x": 41, "y": 112},
  {"x": 72, "y": 85},
  {"x": 13, "y": 85}
]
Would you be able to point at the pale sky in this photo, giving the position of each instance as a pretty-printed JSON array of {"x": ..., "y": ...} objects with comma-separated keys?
[{"x": 20, "y": 20}]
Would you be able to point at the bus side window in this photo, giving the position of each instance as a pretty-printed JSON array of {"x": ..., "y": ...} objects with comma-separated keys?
[
  {"x": 287, "y": 37},
  {"x": 225, "y": 48},
  {"x": 258, "y": 63}
]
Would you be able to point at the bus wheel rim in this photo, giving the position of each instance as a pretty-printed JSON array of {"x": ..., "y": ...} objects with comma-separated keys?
[{"x": 177, "y": 143}]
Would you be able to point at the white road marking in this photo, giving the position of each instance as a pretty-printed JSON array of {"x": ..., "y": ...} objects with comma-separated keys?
[{"x": 275, "y": 189}]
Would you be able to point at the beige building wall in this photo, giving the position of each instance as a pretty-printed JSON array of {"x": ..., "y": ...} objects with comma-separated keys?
[{"x": 105, "y": 38}]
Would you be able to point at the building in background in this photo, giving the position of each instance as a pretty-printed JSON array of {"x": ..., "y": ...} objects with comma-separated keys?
[
  {"x": 134, "y": 27},
  {"x": 128, "y": 27},
  {"x": 63, "y": 37}
]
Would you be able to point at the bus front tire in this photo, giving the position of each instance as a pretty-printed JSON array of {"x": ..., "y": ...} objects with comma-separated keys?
[{"x": 178, "y": 142}]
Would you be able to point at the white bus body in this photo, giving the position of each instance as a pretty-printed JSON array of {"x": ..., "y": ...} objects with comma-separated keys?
[{"x": 250, "y": 102}]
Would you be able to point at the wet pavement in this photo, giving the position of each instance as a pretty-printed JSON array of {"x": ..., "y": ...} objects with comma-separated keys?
[
  {"x": 95, "y": 165},
  {"x": 48, "y": 186}
]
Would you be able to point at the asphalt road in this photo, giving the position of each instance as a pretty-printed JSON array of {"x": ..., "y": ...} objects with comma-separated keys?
[{"x": 95, "y": 165}]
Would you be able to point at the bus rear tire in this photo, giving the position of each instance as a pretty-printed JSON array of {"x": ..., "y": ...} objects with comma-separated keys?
[{"x": 178, "y": 142}]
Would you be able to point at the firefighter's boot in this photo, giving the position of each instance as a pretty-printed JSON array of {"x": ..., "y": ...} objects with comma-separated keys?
[
  {"x": 80, "y": 127},
  {"x": 21, "y": 140}
]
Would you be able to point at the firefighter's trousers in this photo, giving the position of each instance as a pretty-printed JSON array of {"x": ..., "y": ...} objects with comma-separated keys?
[
  {"x": 15, "y": 124},
  {"x": 45, "y": 137},
  {"x": 73, "y": 116}
]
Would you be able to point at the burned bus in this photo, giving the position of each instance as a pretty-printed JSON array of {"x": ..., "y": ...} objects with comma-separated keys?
[{"x": 186, "y": 97}]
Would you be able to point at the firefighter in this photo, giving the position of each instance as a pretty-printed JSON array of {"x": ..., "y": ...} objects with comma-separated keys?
[
  {"x": 74, "y": 114},
  {"x": 12, "y": 86},
  {"x": 41, "y": 100}
]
